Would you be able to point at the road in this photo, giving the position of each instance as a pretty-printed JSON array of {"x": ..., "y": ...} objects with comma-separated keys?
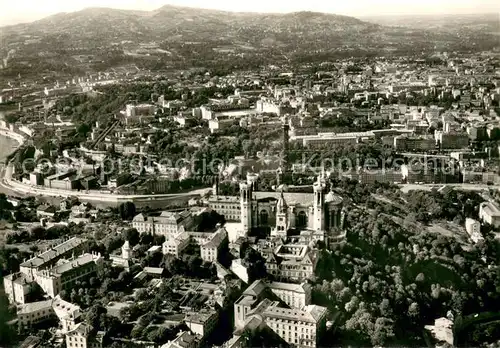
[
  {"x": 13, "y": 187},
  {"x": 466, "y": 187}
]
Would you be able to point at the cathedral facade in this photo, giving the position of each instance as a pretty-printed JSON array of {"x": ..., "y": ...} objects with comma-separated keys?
[{"x": 316, "y": 214}]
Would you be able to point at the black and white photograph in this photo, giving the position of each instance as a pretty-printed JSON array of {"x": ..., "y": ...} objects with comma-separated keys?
[{"x": 249, "y": 174}]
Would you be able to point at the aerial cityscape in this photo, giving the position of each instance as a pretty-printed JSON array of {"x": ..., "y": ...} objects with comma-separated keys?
[{"x": 182, "y": 177}]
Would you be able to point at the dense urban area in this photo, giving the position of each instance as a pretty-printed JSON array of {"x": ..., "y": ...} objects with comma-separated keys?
[{"x": 346, "y": 199}]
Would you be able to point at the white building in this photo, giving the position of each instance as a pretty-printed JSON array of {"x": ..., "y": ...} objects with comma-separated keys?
[
  {"x": 168, "y": 223},
  {"x": 298, "y": 327},
  {"x": 303, "y": 327},
  {"x": 33, "y": 313},
  {"x": 18, "y": 287},
  {"x": 67, "y": 313},
  {"x": 240, "y": 270},
  {"x": 83, "y": 336},
  {"x": 184, "y": 339},
  {"x": 67, "y": 273},
  {"x": 295, "y": 295},
  {"x": 210, "y": 250},
  {"x": 473, "y": 228},
  {"x": 489, "y": 212},
  {"x": 175, "y": 244},
  {"x": 40, "y": 269},
  {"x": 202, "y": 323}
]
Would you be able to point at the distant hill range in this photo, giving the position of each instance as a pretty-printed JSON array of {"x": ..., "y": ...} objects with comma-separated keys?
[
  {"x": 471, "y": 24},
  {"x": 190, "y": 35}
]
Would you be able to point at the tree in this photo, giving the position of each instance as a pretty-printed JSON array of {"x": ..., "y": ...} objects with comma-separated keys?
[
  {"x": 93, "y": 316},
  {"x": 413, "y": 310},
  {"x": 132, "y": 235},
  {"x": 385, "y": 307},
  {"x": 127, "y": 210},
  {"x": 142, "y": 295},
  {"x": 7, "y": 335},
  {"x": 11, "y": 118},
  {"x": 352, "y": 305},
  {"x": 383, "y": 331},
  {"x": 83, "y": 129},
  {"x": 137, "y": 331}
]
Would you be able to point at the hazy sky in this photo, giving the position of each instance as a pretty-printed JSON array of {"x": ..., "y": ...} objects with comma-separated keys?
[{"x": 15, "y": 11}]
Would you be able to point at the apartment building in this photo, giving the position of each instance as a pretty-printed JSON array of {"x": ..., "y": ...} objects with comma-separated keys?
[
  {"x": 210, "y": 250},
  {"x": 167, "y": 223},
  {"x": 414, "y": 143},
  {"x": 229, "y": 206},
  {"x": 452, "y": 140},
  {"x": 295, "y": 295},
  {"x": 50, "y": 257},
  {"x": 31, "y": 314},
  {"x": 175, "y": 244},
  {"x": 18, "y": 286},
  {"x": 83, "y": 336},
  {"x": 202, "y": 323}
]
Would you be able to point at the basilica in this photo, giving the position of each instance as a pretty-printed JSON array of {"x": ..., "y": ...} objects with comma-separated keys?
[{"x": 309, "y": 216}]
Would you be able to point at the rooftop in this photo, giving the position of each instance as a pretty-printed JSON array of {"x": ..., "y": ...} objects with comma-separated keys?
[
  {"x": 34, "y": 307},
  {"x": 256, "y": 288},
  {"x": 289, "y": 286},
  {"x": 53, "y": 253},
  {"x": 311, "y": 313},
  {"x": 233, "y": 199},
  {"x": 183, "y": 340},
  {"x": 216, "y": 239},
  {"x": 64, "y": 309},
  {"x": 77, "y": 262},
  {"x": 491, "y": 208},
  {"x": 200, "y": 317},
  {"x": 20, "y": 278}
]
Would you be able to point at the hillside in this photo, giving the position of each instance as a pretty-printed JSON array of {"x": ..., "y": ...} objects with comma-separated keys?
[{"x": 181, "y": 37}]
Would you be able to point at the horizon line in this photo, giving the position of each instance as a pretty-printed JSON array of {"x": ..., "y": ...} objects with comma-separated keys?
[{"x": 389, "y": 15}]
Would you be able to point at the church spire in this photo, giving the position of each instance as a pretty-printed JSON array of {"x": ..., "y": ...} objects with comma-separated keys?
[{"x": 281, "y": 206}]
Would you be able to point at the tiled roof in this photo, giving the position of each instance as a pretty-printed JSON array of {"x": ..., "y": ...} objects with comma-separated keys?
[
  {"x": 217, "y": 238},
  {"x": 54, "y": 252},
  {"x": 77, "y": 262},
  {"x": 288, "y": 286},
  {"x": 311, "y": 313},
  {"x": 34, "y": 307},
  {"x": 256, "y": 288}
]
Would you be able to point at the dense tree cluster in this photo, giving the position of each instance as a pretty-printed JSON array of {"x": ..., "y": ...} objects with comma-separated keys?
[{"x": 387, "y": 281}]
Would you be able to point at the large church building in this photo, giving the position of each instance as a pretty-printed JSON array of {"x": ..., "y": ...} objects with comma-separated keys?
[{"x": 318, "y": 214}]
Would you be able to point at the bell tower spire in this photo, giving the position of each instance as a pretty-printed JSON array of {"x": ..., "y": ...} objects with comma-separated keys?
[{"x": 282, "y": 218}]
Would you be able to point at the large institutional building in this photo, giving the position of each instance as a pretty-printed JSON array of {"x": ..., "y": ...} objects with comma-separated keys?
[
  {"x": 56, "y": 269},
  {"x": 302, "y": 325},
  {"x": 167, "y": 223}
]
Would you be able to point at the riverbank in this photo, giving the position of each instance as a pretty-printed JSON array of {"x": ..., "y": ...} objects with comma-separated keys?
[
  {"x": 7, "y": 133},
  {"x": 9, "y": 186}
]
